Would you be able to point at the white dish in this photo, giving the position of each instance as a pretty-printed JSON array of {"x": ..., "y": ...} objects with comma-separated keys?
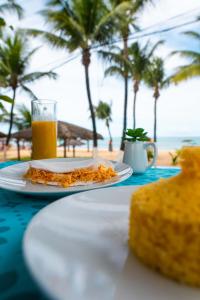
[
  {"x": 76, "y": 249},
  {"x": 11, "y": 178}
]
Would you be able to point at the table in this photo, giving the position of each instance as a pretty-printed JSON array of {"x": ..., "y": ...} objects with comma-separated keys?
[{"x": 15, "y": 213}]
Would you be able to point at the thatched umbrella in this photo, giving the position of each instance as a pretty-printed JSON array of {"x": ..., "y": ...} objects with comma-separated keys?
[
  {"x": 2, "y": 135},
  {"x": 24, "y": 134},
  {"x": 66, "y": 131}
]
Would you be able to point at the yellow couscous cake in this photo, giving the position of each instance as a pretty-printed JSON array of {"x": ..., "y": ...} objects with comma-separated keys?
[{"x": 164, "y": 227}]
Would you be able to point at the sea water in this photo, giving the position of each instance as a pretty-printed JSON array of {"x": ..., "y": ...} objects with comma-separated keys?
[{"x": 163, "y": 143}]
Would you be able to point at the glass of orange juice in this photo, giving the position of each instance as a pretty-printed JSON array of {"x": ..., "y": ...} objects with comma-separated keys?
[{"x": 44, "y": 129}]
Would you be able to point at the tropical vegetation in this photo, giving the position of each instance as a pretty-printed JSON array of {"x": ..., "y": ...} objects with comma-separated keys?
[
  {"x": 103, "y": 112},
  {"x": 21, "y": 117},
  {"x": 7, "y": 7},
  {"x": 125, "y": 25},
  {"x": 139, "y": 59},
  {"x": 155, "y": 78},
  {"x": 137, "y": 134},
  {"x": 192, "y": 69},
  {"x": 79, "y": 26},
  {"x": 83, "y": 27},
  {"x": 15, "y": 57}
]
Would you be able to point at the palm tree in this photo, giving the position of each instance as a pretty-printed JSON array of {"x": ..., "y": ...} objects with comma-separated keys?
[
  {"x": 103, "y": 112},
  {"x": 12, "y": 7},
  {"x": 24, "y": 116},
  {"x": 155, "y": 78},
  {"x": 192, "y": 69},
  {"x": 15, "y": 58},
  {"x": 124, "y": 25},
  {"x": 139, "y": 58},
  {"x": 79, "y": 25},
  {"x": 21, "y": 118}
]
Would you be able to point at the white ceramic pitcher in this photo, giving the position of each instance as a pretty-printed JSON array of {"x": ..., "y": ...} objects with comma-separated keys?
[{"x": 135, "y": 155}]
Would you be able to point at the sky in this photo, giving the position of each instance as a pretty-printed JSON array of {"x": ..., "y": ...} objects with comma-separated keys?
[{"x": 178, "y": 106}]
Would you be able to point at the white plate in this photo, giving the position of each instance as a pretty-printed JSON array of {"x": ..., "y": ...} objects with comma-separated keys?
[
  {"x": 76, "y": 249},
  {"x": 11, "y": 178}
]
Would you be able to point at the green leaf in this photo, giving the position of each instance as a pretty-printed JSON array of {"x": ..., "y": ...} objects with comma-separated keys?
[
  {"x": 2, "y": 22},
  {"x": 138, "y": 134},
  {"x": 6, "y": 98}
]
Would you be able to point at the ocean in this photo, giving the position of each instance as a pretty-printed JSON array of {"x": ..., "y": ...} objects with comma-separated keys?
[{"x": 163, "y": 143}]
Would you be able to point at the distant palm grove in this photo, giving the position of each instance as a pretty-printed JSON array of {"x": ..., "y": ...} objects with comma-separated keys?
[{"x": 82, "y": 26}]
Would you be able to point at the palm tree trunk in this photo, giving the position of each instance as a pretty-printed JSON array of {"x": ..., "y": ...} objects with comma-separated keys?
[
  {"x": 134, "y": 109},
  {"x": 86, "y": 62},
  {"x": 65, "y": 147},
  {"x": 11, "y": 117},
  {"x": 74, "y": 151},
  {"x": 155, "y": 120},
  {"x": 18, "y": 150},
  {"x": 110, "y": 145},
  {"x": 125, "y": 42}
]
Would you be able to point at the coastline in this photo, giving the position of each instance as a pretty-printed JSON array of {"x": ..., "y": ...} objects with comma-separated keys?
[{"x": 164, "y": 159}]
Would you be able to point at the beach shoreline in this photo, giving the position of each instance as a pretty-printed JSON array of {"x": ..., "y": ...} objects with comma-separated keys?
[{"x": 164, "y": 158}]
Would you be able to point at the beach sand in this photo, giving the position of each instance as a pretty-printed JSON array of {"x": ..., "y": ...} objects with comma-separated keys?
[{"x": 164, "y": 158}]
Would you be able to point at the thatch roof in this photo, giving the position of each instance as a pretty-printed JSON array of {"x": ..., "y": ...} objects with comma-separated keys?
[
  {"x": 25, "y": 134},
  {"x": 65, "y": 131},
  {"x": 2, "y": 135},
  {"x": 68, "y": 130}
]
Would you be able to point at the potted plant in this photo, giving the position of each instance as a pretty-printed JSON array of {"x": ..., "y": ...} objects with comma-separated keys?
[{"x": 135, "y": 153}]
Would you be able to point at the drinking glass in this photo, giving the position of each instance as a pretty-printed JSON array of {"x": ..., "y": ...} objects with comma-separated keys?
[{"x": 44, "y": 129}]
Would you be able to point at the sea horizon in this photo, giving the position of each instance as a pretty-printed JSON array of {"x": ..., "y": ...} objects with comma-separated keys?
[{"x": 163, "y": 143}]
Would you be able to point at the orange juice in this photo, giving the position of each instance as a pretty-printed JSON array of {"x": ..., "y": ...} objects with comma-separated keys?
[{"x": 44, "y": 139}]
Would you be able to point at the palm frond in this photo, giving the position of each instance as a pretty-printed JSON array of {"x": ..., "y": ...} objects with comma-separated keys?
[
  {"x": 31, "y": 77},
  {"x": 29, "y": 92},
  {"x": 12, "y": 7},
  {"x": 6, "y": 98},
  {"x": 193, "y": 34},
  {"x": 51, "y": 38},
  {"x": 114, "y": 70},
  {"x": 186, "y": 72},
  {"x": 194, "y": 55},
  {"x": 155, "y": 47}
]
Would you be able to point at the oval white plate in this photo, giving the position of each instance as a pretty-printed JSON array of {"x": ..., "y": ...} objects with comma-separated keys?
[
  {"x": 76, "y": 249},
  {"x": 11, "y": 178}
]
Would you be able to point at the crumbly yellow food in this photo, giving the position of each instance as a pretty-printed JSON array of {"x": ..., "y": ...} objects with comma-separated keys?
[
  {"x": 99, "y": 174},
  {"x": 164, "y": 229}
]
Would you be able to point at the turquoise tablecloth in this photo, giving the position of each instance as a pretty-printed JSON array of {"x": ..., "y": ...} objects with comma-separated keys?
[{"x": 15, "y": 213}]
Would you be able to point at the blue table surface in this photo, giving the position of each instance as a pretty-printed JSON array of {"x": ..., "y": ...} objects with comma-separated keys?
[{"x": 16, "y": 212}]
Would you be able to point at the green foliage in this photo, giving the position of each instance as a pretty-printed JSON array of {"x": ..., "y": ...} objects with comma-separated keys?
[
  {"x": 138, "y": 134},
  {"x": 22, "y": 117},
  {"x": 150, "y": 154},
  {"x": 139, "y": 58},
  {"x": 175, "y": 156},
  {"x": 2, "y": 22},
  {"x": 77, "y": 24},
  {"x": 15, "y": 57},
  {"x": 103, "y": 111},
  {"x": 155, "y": 74},
  {"x": 6, "y": 98},
  {"x": 119, "y": 65},
  {"x": 11, "y": 6},
  {"x": 192, "y": 69}
]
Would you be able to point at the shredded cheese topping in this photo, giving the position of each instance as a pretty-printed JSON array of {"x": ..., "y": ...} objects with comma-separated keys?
[{"x": 99, "y": 174}]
